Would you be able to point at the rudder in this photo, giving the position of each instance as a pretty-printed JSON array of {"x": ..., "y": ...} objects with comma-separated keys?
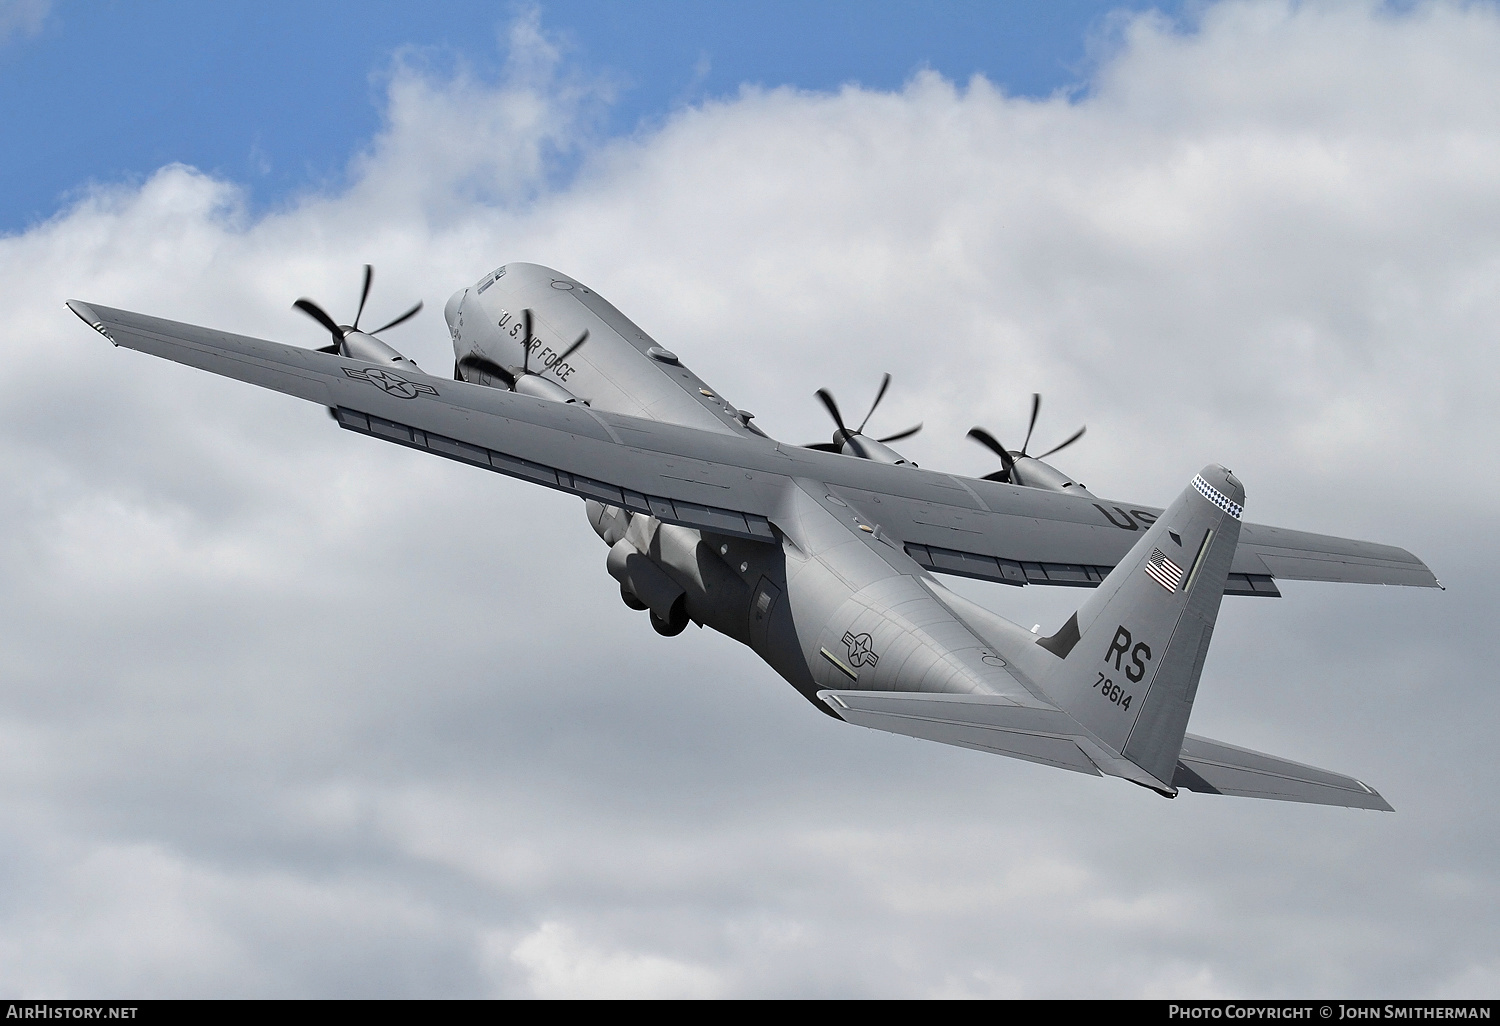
[{"x": 1131, "y": 657}]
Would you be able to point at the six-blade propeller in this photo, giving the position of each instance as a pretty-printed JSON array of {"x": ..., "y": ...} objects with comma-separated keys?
[
  {"x": 339, "y": 331},
  {"x": 511, "y": 375},
  {"x": 852, "y": 438},
  {"x": 1008, "y": 459}
]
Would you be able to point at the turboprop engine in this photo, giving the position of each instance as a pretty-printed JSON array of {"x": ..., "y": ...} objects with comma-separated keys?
[
  {"x": 1021, "y": 468},
  {"x": 349, "y": 341},
  {"x": 855, "y": 442},
  {"x": 481, "y": 370}
]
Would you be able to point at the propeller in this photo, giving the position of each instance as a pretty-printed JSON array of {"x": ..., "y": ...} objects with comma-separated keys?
[
  {"x": 1008, "y": 459},
  {"x": 487, "y": 366},
  {"x": 339, "y": 331},
  {"x": 510, "y": 375},
  {"x": 843, "y": 434},
  {"x": 526, "y": 337},
  {"x": 986, "y": 439}
]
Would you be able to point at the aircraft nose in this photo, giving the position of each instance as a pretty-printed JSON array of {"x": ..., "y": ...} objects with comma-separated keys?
[{"x": 450, "y": 309}]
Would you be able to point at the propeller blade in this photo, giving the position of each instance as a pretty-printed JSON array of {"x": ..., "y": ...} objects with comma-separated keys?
[
  {"x": 336, "y": 349},
  {"x": 1036, "y": 408},
  {"x": 824, "y": 447},
  {"x": 316, "y": 312},
  {"x": 573, "y": 348},
  {"x": 905, "y": 434},
  {"x": 826, "y": 397},
  {"x": 526, "y": 341},
  {"x": 369, "y": 276},
  {"x": 1058, "y": 448},
  {"x": 404, "y": 317},
  {"x": 885, "y": 383},
  {"x": 489, "y": 367},
  {"x": 987, "y": 440}
]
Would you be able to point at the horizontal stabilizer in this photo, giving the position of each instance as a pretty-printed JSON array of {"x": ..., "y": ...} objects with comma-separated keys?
[
  {"x": 988, "y": 723},
  {"x": 1213, "y": 767}
]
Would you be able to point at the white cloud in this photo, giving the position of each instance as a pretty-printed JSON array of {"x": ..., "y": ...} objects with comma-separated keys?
[
  {"x": 558, "y": 965},
  {"x": 455, "y": 142},
  {"x": 333, "y": 718},
  {"x": 22, "y": 18}
]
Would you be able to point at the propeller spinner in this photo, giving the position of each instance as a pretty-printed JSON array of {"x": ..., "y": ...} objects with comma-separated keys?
[{"x": 856, "y": 442}]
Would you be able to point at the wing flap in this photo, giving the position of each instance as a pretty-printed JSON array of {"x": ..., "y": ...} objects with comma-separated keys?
[
  {"x": 1264, "y": 555},
  {"x": 1213, "y": 767},
  {"x": 1029, "y": 536},
  {"x": 680, "y": 511},
  {"x": 1067, "y": 575}
]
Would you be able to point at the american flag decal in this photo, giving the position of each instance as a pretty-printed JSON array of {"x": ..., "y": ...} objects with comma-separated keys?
[{"x": 1163, "y": 571}]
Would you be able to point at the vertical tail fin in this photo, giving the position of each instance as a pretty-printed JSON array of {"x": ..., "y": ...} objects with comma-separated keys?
[{"x": 1130, "y": 658}]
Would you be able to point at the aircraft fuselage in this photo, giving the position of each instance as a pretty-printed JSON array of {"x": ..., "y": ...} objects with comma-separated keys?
[{"x": 820, "y": 608}]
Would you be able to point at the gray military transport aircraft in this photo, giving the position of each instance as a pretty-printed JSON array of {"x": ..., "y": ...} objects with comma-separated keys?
[{"x": 822, "y": 557}]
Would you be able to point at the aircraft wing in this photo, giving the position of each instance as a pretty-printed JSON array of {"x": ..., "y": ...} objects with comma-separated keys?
[
  {"x": 1029, "y": 536},
  {"x": 733, "y": 484}
]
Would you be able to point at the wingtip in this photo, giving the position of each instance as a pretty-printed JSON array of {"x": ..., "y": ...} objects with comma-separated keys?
[
  {"x": 87, "y": 315},
  {"x": 1378, "y": 804}
]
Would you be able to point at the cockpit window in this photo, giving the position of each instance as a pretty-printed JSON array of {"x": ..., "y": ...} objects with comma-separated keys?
[{"x": 491, "y": 279}]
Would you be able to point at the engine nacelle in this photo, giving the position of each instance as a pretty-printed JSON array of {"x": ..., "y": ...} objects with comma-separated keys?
[
  {"x": 1033, "y": 473},
  {"x": 868, "y": 448},
  {"x": 543, "y": 388},
  {"x": 357, "y": 345}
]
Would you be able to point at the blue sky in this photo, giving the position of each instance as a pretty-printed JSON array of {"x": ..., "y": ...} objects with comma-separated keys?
[{"x": 277, "y": 97}]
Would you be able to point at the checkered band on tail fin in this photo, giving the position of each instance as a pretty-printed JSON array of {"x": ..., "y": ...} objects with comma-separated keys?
[{"x": 1217, "y": 497}]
